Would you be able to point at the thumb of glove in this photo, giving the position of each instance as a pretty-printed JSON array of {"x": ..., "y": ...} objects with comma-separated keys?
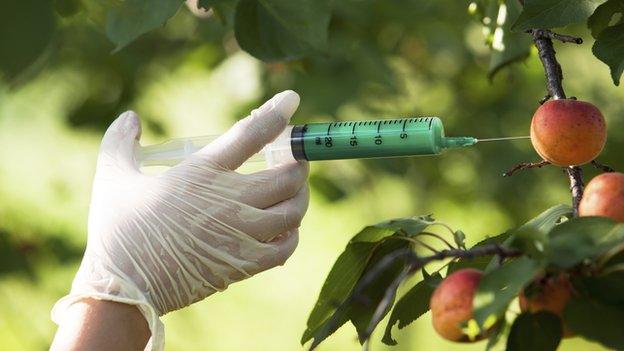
[{"x": 117, "y": 151}]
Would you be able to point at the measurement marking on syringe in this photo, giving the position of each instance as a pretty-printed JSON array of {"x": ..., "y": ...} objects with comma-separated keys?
[
  {"x": 378, "y": 126},
  {"x": 353, "y": 130},
  {"x": 430, "y": 121},
  {"x": 404, "y": 122},
  {"x": 328, "y": 128}
]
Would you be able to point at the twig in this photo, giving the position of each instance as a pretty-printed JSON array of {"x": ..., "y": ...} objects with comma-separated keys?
[
  {"x": 450, "y": 246},
  {"x": 413, "y": 264},
  {"x": 602, "y": 167},
  {"x": 526, "y": 165},
  {"x": 561, "y": 37},
  {"x": 439, "y": 237},
  {"x": 575, "y": 174},
  {"x": 417, "y": 242},
  {"x": 445, "y": 226}
]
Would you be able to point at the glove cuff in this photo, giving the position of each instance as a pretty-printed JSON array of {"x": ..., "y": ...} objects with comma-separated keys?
[{"x": 117, "y": 290}]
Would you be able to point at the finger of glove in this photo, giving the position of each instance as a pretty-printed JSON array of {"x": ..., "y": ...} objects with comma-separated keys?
[
  {"x": 249, "y": 135},
  {"x": 117, "y": 149},
  {"x": 274, "y": 185},
  {"x": 278, "y": 219},
  {"x": 280, "y": 249},
  {"x": 272, "y": 254}
]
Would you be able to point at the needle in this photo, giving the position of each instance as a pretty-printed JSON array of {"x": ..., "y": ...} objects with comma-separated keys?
[{"x": 507, "y": 138}]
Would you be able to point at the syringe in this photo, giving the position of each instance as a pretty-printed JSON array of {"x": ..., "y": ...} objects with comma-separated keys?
[{"x": 330, "y": 141}]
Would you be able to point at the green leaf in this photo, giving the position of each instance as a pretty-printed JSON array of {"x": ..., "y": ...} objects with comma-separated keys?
[
  {"x": 359, "y": 310},
  {"x": 541, "y": 331},
  {"x": 350, "y": 265},
  {"x": 602, "y": 17},
  {"x": 507, "y": 46},
  {"x": 337, "y": 287},
  {"x": 546, "y": 14},
  {"x": 499, "y": 287},
  {"x": 609, "y": 48},
  {"x": 532, "y": 237},
  {"x": 26, "y": 31},
  {"x": 607, "y": 288},
  {"x": 548, "y": 219},
  {"x": 411, "y": 306},
  {"x": 133, "y": 18},
  {"x": 407, "y": 226},
  {"x": 596, "y": 321},
  {"x": 273, "y": 30},
  {"x": 362, "y": 310},
  {"x": 580, "y": 239},
  {"x": 460, "y": 239}
]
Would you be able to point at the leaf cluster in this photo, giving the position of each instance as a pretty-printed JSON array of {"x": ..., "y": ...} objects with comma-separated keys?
[
  {"x": 588, "y": 250},
  {"x": 603, "y": 18},
  {"x": 505, "y": 21},
  {"x": 270, "y": 30}
]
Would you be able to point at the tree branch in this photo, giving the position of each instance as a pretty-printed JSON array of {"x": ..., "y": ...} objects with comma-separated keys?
[
  {"x": 575, "y": 174},
  {"x": 526, "y": 165},
  {"x": 561, "y": 37},
  {"x": 602, "y": 167},
  {"x": 554, "y": 75}
]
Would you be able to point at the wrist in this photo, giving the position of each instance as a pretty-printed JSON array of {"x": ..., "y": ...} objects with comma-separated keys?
[{"x": 92, "y": 324}]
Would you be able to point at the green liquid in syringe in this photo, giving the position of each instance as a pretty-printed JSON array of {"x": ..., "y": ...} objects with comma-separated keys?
[{"x": 372, "y": 139}]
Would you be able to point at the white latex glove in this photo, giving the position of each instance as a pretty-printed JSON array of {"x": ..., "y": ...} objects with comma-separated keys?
[{"x": 164, "y": 242}]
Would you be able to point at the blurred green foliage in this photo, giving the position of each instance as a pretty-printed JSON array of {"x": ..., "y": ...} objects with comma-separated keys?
[{"x": 385, "y": 58}]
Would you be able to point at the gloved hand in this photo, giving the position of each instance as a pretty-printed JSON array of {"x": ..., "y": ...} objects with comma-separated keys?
[{"x": 164, "y": 242}]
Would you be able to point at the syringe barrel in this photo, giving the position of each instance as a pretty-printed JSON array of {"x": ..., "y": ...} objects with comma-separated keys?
[{"x": 368, "y": 139}]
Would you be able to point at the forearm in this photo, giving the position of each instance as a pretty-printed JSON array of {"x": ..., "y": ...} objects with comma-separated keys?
[{"x": 101, "y": 325}]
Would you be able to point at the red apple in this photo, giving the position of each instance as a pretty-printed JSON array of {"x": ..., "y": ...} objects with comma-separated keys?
[
  {"x": 604, "y": 196},
  {"x": 568, "y": 132},
  {"x": 451, "y": 305}
]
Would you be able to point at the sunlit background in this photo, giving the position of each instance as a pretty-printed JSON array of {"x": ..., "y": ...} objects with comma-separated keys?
[{"x": 389, "y": 59}]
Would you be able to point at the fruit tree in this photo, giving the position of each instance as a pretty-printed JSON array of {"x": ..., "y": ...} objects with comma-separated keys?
[{"x": 560, "y": 274}]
